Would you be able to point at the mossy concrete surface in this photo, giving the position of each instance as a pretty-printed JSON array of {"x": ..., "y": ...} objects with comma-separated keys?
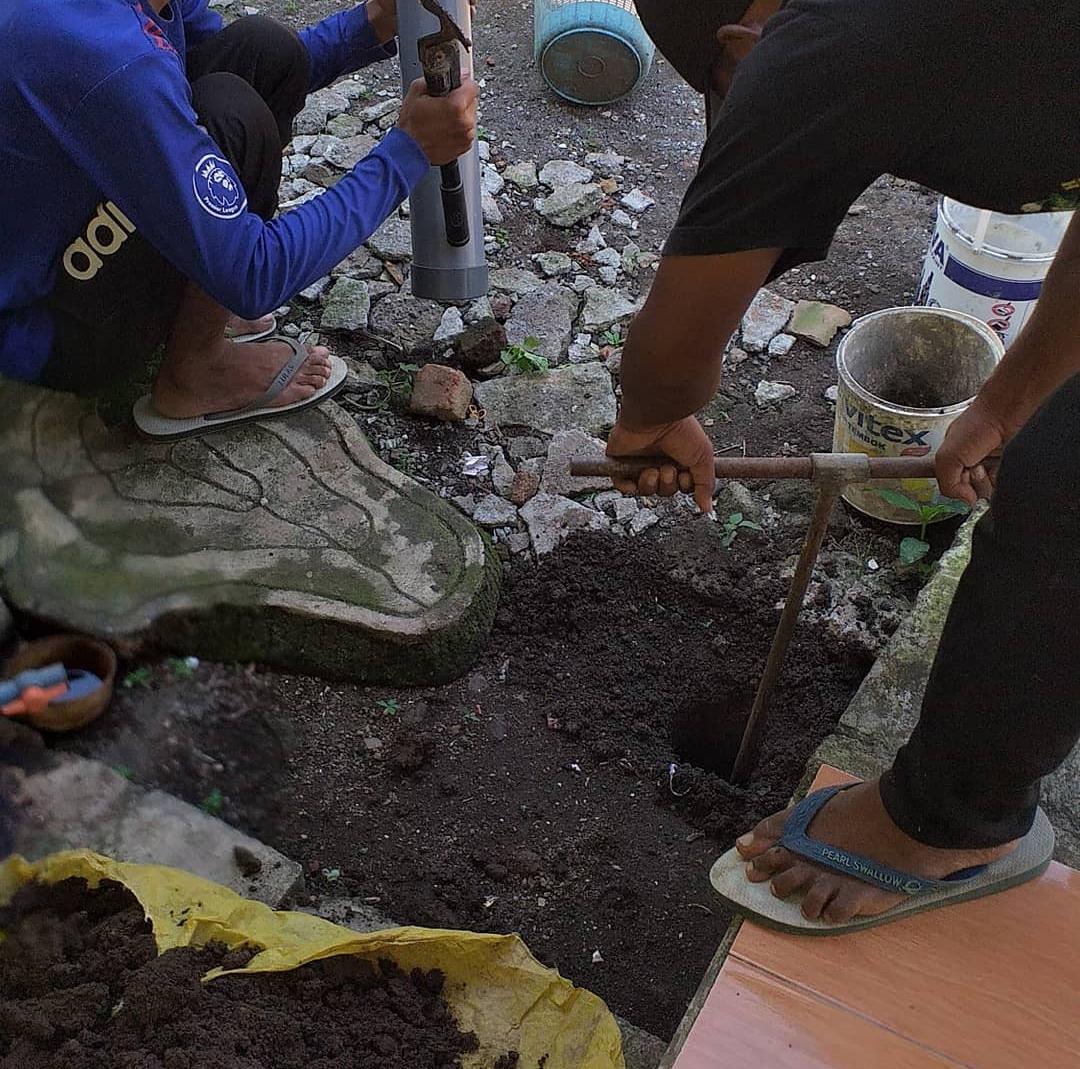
[
  {"x": 286, "y": 542},
  {"x": 883, "y": 712}
]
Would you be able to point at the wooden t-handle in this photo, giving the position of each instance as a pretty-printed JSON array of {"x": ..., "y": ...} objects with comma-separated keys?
[{"x": 861, "y": 467}]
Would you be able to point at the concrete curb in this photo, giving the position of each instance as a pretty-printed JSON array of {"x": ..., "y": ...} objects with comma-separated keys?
[
  {"x": 886, "y": 707},
  {"x": 73, "y": 803}
]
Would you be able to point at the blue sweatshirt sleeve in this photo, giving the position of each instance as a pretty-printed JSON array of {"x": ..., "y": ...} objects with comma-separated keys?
[
  {"x": 138, "y": 137},
  {"x": 200, "y": 21},
  {"x": 341, "y": 44}
]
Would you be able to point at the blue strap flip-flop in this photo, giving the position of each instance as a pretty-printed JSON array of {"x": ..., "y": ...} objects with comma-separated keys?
[{"x": 1030, "y": 859}]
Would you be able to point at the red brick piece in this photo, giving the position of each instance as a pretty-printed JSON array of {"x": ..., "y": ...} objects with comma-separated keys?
[{"x": 441, "y": 392}]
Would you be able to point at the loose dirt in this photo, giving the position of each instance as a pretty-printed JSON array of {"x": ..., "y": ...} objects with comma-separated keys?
[
  {"x": 82, "y": 987},
  {"x": 542, "y": 794},
  {"x": 538, "y": 794}
]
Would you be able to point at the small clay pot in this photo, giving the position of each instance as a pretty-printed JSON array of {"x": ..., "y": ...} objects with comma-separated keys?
[{"x": 73, "y": 651}]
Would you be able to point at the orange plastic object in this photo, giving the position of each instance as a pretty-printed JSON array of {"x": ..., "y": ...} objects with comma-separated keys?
[
  {"x": 33, "y": 700},
  {"x": 73, "y": 651}
]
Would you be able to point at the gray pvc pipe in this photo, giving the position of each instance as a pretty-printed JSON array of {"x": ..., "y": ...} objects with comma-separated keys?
[{"x": 439, "y": 271}]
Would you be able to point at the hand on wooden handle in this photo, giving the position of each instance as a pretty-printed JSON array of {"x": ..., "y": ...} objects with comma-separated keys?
[{"x": 687, "y": 461}]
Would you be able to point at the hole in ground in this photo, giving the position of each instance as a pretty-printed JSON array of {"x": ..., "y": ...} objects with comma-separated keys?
[{"x": 707, "y": 733}]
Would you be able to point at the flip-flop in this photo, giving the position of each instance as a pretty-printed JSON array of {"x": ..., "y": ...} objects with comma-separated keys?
[
  {"x": 163, "y": 429},
  {"x": 257, "y": 335},
  {"x": 1030, "y": 859}
]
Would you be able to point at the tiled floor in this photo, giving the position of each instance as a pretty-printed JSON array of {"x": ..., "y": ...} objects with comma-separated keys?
[{"x": 991, "y": 984}]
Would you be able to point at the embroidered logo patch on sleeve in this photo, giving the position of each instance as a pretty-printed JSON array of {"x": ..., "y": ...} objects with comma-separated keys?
[{"x": 217, "y": 189}]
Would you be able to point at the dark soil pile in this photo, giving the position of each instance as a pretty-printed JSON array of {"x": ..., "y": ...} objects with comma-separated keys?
[
  {"x": 82, "y": 987},
  {"x": 534, "y": 795},
  {"x": 661, "y": 650}
]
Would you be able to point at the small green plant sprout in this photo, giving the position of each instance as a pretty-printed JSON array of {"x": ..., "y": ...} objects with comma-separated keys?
[
  {"x": 403, "y": 461},
  {"x": 612, "y": 336},
  {"x": 502, "y": 237},
  {"x": 124, "y": 770},
  {"x": 182, "y": 667},
  {"x": 524, "y": 357},
  {"x": 138, "y": 677},
  {"x": 389, "y": 706},
  {"x": 733, "y": 525},
  {"x": 212, "y": 803},
  {"x": 400, "y": 380},
  {"x": 913, "y": 550}
]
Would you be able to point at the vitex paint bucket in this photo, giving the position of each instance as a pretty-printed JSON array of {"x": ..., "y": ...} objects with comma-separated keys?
[
  {"x": 591, "y": 51},
  {"x": 904, "y": 375},
  {"x": 989, "y": 265}
]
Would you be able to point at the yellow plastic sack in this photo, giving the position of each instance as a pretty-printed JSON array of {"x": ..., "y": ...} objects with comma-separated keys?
[{"x": 495, "y": 987}]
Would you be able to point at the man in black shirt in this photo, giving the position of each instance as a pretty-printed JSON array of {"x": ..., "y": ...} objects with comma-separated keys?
[{"x": 809, "y": 102}]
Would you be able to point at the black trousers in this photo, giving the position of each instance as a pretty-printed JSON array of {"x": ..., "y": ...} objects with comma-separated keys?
[
  {"x": 248, "y": 83},
  {"x": 1002, "y": 708}
]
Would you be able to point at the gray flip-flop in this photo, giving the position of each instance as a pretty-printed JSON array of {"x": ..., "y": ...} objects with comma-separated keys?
[
  {"x": 258, "y": 335},
  {"x": 1030, "y": 859},
  {"x": 163, "y": 429}
]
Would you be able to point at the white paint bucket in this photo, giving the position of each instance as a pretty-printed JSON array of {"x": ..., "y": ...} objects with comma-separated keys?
[
  {"x": 989, "y": 265},
  {"x": 904, "y": 375}
]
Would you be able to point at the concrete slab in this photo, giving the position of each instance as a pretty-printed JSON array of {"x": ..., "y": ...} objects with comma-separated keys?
[
  {"x": 287, "y": 542},
  {"x": 640, "y": 1049},
  {"x": 74, "y": 803},
  {"x": 886, "y": 707}
]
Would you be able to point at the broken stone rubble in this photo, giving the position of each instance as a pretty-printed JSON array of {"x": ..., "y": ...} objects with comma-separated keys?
[
  {"x": 557, "y": 173},
  {"x": 569, "y": 205},
  {"x": 766, "y": 317}
]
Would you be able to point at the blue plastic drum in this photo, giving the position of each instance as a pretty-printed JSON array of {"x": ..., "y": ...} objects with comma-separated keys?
[{"x": 591, "y": 51}]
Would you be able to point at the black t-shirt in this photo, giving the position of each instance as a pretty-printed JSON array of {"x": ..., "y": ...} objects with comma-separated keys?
[{"x": 978, "y": 100}]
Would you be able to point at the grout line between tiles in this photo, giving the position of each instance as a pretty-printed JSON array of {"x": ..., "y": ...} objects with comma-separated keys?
[{"x": 843, "y": 1006}]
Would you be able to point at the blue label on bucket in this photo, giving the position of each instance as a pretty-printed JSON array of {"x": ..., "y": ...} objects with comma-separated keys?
[{"x": 989, "y": 286}]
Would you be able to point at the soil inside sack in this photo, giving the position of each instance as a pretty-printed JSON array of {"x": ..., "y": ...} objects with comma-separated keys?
[{"x": 83, "y": 987}]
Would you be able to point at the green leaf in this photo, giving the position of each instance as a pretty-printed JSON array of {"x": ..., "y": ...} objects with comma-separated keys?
[
  {"x": 727, "y": 538},
  {"x": 138, "y": 677},
  {"x": 913, "y": 550},
  {"x": 749, "y": 525},
  {"x": 735, "y": 519},
  {"x": 950, "y": 506},
  {"x": 212, "y": 802},
  {"x": 531, "y": 342},
  {"x": 180, "y": 668},
  {"x": 898, "y": 500}
]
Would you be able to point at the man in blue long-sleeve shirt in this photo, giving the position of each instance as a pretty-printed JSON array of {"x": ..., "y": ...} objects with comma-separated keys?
[{"x": 140, "y": 149}]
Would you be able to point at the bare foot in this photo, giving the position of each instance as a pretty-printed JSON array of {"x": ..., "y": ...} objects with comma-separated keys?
[
  {"x": 242, "y": 327},
  {"x": 234, "y": 376},
  {"x": 854, "y": 820}
]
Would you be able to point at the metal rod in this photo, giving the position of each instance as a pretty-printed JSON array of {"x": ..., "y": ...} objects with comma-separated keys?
[
  {"x": 759, "y": 712},
  {"x": 754, "y": 467}
]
